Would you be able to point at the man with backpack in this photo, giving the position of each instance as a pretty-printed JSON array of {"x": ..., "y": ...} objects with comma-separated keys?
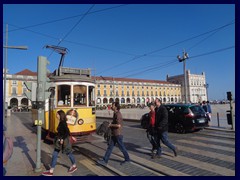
[{"x": 116, "y": 136}]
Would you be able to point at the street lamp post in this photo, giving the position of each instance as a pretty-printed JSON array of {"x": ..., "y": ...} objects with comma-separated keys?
[
  {"x": 5, "y": 67},
  {"x": 206, "y": 86},
  {"x": 183, "y": 59}
]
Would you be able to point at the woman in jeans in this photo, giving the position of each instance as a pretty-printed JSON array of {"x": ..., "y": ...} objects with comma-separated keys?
[{"x": 61, "y": 142}]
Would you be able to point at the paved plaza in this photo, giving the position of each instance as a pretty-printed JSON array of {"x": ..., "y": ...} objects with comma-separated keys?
[{"x": 219, "y": 117}]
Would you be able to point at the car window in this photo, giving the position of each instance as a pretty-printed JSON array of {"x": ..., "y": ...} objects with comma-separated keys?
[
  {"x": 179, "y": 110},
  {"x": 197, "y": 109}
]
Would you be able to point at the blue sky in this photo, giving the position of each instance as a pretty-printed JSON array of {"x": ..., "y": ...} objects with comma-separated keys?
[{"x": 135, "y": 41}]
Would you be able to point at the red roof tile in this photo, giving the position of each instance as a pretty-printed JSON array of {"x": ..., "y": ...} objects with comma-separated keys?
[
  {"x": 131, "y": 80},
  {"x": 27, "y": 72}
]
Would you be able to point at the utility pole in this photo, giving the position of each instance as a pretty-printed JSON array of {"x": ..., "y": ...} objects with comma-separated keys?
[
  {"x": 206, "y": 86},
  {"x": 183, "y": 59},
  {"x": 5, "y": 68},
  {"x": 42, "y": 95}
]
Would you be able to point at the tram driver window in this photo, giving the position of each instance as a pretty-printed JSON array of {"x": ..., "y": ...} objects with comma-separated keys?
[
  {"x": 64, "y": 95},
  {"x": 80, "y": 95},
  {"x": 91, "y": 94}
]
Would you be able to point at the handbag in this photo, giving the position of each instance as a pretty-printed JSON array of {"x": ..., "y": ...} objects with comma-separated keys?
[{"x": 72, "y": 139}]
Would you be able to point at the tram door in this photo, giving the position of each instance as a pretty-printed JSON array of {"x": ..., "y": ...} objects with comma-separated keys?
[{"x": 51, "y": 110}]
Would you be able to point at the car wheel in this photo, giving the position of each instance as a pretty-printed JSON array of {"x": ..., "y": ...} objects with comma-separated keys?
[{"x": 179, "y": 128}]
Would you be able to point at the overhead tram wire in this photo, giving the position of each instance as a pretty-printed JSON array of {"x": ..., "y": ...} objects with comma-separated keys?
[
  {"x": 66, "y": 18},
  {"x": 147, "y": 67},
  {"x": 72, "y": 28},
  {"x": 188, "y": 49},
  {"x": 213, "y": 52},
  {"x": 152, "y": 52},
  {"x": 77, "y": 43},
  {"x": 153, "y": 68},
  {"x": 175, "y": 62}
]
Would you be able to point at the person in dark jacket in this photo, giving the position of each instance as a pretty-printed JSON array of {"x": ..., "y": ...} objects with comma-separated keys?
[
  {"x": 161, "y": 127},
  {"x": 116, "y": 137},
  {"x": 61, "y": 142}
]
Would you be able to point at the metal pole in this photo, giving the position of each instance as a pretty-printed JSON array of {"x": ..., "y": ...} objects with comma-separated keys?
[
  {"x": 5, "y": 71},
  {"x": 218, "y": 119},
  {"x": 207, "y": 85},
  {"x": 5, "y": 77},
  {"x": 231, "y": 111},
  {"x": 185, "y": 81}
]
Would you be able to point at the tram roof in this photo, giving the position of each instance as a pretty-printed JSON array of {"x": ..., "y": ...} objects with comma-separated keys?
[{"x": 72, "y": 78}]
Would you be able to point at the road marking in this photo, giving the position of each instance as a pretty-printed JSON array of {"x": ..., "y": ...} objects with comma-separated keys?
[
  {"x": 98, "y": 170},
  {"x": 216, "y": 135},
  {"x": 89, "y": 146},
  {"x": 202, "y": 165},
  {"x": 208, "y": 154},
  {"x": 155, "y": 166},
  {"x": 214, "y": 140},
  {"x": 209, "y": 145}
]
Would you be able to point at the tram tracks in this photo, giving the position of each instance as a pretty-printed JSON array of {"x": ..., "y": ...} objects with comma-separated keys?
[{"x": 137, "y": 167}]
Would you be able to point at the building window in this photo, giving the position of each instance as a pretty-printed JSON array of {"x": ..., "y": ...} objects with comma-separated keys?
[
  {"x": 14, "y": 82},
  {"x": 14, "y": 91}
]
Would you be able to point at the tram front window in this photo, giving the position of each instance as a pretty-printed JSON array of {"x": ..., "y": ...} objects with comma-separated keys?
[
  {"x": 64, "y": 95},
  {"x": 91, "y": 94},
  {"x": 80, "y": 95}
]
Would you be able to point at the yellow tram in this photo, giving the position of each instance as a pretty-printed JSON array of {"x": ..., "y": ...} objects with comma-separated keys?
[{"x": 73, "y": 91}]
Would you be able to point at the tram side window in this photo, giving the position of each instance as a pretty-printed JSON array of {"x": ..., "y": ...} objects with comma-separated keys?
[
  {"x": 64, "y": 95},
  {"x": 80, "y": 95},
  {"x": 91, "y": 94}
]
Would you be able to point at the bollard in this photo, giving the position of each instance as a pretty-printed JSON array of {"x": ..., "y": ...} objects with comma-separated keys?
[{"x": 218, "y": 119}]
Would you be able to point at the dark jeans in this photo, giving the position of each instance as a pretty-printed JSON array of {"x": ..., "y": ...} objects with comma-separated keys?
[
  {"x": 55, "y": 156},
  {"x": 116, "y": 140},
  {"x": 163, "y": 136}
]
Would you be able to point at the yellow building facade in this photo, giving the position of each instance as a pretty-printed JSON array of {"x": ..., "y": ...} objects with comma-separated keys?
[
  {"x": 135, "y": 91},
  {"x": 126, "y": 91}
]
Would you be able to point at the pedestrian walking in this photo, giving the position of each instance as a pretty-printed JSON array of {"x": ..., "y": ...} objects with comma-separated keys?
[
  {"x": 206, "y": 107},
  {"x": 109, "y": 108},
  {"x": 150, "y": 128},
  {"x": 209, "y": 110},
  {"x": 116, "y": 136},
  {"x": 161, "y": 127},
  {"x": 61, "y": 142}
]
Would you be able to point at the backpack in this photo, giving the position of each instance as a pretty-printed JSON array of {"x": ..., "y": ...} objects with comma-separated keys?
[
  {"x": 105, "y": 131},
  {"x": 7, "y": 148}
]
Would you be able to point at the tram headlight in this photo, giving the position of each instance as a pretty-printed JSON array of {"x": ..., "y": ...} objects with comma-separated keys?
[{"x": 80, "y": 121}]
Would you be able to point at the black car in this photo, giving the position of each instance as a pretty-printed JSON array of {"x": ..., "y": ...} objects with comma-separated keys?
[{"x": 182, "y": 118}]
